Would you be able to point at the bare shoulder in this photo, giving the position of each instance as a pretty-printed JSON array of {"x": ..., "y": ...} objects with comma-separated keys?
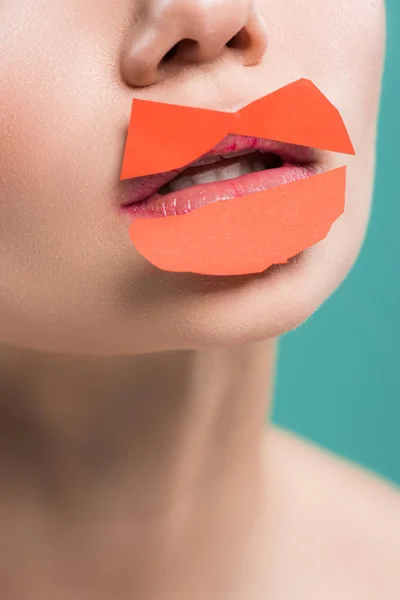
[{"x": 344, "y": 517}]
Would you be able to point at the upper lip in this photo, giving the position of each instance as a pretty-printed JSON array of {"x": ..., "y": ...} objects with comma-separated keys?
[
  {"x": 140, "y": 188},
  {"x": 298, "y": 113}
]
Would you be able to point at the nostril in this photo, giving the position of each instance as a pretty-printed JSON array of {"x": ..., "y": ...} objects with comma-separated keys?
[
  {"x": 231, "y": 43},
  {"x": 240, "y": 41},
  {"x": 171, "y": 53},
  {"x": 181, "y": 47}
]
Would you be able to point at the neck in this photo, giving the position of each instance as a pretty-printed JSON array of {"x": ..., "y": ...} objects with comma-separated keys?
[{"x": 155, "y": 454}]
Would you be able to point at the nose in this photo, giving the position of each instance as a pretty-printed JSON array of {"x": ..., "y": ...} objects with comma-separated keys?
[{"x": 170, "y": 33}]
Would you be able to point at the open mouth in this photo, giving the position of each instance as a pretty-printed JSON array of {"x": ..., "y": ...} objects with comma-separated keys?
[
  {"x": 223, "y": 168},
  {"x": 238, "y": 166}
]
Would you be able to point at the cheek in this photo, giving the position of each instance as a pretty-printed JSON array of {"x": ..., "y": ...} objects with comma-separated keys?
[
  {"x": 56, "y": 234},
  {"x": 61, "y": 246},
  {"x": 337, "y": 43},
  {"x": 55, "y": 109},
  {"x": 54, "y": 134},
  {"x": 38, "y": 187}
]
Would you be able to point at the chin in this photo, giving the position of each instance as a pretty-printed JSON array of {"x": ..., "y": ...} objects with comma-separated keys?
[
  {"x": 221, "y": 312},
  {"x": 179, "y": 311},
  {"x": 256, "y": 308}
]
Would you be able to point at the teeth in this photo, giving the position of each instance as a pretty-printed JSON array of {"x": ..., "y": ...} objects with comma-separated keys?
[
  {"x": 180, "y": 183},
  {"x": 232, "y": 171},
  {"x": 229, "y": 172},
  {"x": 246, "y": 167},
  {"x": 206, "y": 177}
]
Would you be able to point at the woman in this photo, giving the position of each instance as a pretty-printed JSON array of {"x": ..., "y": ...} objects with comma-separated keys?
[{"x": 134, "y": 458}]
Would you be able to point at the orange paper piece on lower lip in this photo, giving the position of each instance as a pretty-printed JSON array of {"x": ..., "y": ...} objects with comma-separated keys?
[{"x": 245, "y": 235}]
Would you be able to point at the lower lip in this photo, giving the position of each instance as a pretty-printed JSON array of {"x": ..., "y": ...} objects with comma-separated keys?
[{"x": 189, "y": 199}]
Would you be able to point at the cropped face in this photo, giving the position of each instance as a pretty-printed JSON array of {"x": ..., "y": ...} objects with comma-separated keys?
[{"x": 70, "y": 278}]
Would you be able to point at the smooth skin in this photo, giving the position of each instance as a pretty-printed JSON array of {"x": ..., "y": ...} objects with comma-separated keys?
[{"x": 135, "y": 461}]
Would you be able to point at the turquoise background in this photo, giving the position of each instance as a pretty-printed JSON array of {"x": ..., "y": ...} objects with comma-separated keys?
[{"x": 358, "y": 414}]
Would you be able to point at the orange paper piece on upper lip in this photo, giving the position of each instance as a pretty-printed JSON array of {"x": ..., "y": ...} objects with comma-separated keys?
[
  {"x": 248, "y": 234},
  {"x": 163, "y": 137}
]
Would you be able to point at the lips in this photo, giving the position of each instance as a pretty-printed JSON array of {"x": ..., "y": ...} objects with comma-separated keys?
[
  {"x": 165, "y": 137},
  {"x": 237, "y": 166},
  {"x": 247, "y": 235},
  {"x": 245, "y": 213}
]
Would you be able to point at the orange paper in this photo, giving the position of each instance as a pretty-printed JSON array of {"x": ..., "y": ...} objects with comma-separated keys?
[
  {"x": 247, "y": 234},
  {"x": 164, "y": 137}
]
